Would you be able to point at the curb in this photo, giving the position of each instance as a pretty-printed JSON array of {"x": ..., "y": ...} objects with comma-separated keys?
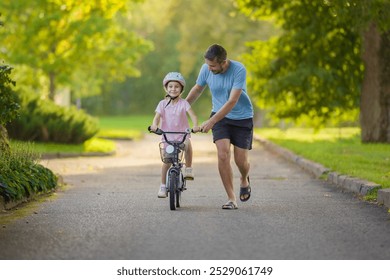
[
  {"x": 11, "y": 204},
  {"x": 73, "y": 155},
  {"x": 348, "y": 183},
  {"x": 384, "y": 197}
]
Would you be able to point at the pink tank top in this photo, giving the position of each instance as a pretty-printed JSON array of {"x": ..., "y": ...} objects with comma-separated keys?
[{"x": 174, "y": 117}]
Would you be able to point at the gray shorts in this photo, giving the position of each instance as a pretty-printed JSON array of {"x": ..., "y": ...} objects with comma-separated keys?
[{"x": 240, "y": 132}]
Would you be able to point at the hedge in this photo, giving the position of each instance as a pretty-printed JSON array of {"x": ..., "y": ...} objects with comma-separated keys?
[{"x": 44, "y": 121}]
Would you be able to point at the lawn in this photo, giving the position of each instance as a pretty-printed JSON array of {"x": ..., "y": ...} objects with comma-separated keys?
[
  {"x": 93, "y": 145},
  {"x": 339, "y": 149},
  {"x": 126, "y": 123},
  {"x": 124, "y": 127}
]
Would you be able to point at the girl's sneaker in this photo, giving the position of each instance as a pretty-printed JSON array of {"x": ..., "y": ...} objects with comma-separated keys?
[
  {"x": 162, "y": 193},
  {"x": 188, "y": 174}
]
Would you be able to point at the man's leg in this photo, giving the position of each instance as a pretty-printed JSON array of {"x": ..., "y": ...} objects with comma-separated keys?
[
  {"x": 224, "y": 167},
  {"x": 241, "y": 159}
]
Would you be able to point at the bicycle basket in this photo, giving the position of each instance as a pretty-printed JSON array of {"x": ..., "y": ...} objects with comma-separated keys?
[{"x": 169, "y": 157}]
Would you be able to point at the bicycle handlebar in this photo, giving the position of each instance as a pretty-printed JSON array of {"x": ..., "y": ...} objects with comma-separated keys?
[{"x": 163, "y": 133}]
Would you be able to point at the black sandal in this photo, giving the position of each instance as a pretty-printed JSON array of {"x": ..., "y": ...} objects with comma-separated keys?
[
  {"x": 230, "y": 205},
  {"x": 245, "y": 192}
]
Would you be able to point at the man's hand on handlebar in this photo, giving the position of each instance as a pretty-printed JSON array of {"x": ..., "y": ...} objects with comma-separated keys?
[{"x": 206, "y": 126}]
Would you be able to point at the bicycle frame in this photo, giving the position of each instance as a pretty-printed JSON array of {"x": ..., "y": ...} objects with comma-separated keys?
[{"x": 174, "y": 179}]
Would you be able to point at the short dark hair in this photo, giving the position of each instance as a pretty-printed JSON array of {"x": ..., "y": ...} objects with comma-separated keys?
[{"x": 215, "y": 51}]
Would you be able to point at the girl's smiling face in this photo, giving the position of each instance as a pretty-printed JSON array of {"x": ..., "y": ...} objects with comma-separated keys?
[{"x": 173, "y": 88}]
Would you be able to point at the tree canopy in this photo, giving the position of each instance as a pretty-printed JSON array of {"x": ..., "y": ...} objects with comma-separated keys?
[
  {"x": 181, "y": 31},
  {"x": 298, "y": 73},
  {"x": 314, "y": 69},
  {"x": 325, "y": 60},
  {"x": 324, "y": 65},
  {"x": 73, "y": 44}
]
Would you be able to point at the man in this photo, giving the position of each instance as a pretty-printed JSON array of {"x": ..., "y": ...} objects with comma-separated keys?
[{"x": 231, "y": 119}]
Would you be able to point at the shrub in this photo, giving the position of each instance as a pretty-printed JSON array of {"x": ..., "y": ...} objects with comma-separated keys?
[
  {"x": 21, "y": 176},
  {"x": 44, "y": 121}
]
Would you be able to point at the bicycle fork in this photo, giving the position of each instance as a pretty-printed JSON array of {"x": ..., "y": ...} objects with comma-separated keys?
[{"x": 178, "y": 177}]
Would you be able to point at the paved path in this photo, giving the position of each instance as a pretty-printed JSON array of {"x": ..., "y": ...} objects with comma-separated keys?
[{"x": 111, "y": 211}]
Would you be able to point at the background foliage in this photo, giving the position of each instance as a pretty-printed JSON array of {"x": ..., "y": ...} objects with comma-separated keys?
[
  {"x": 313, "y": 71},
  {"x": 181, "y": 31},
  {"x": 8, "y": 99},
  {"x": 71, "y": 44}
]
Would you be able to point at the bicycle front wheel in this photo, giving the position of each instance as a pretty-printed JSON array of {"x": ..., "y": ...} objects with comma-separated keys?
[
  {"x": 179, "y": 189},
  {"x": 172, "y": 186},
  {"x": 178, "y": 198}
]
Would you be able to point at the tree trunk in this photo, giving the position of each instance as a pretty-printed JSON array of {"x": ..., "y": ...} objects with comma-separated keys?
[
  {"x": 52, "y": 86},
  {"x": 375, "y": 96}
]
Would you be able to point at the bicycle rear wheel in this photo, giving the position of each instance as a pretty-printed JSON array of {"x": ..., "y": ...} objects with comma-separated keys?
[{"x": 172, "y": 186}]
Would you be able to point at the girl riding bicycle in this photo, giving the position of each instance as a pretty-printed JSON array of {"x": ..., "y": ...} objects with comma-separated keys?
[{"x": 171, "y": 115}]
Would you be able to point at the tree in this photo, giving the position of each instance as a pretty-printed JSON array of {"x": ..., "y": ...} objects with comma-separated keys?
[
  {"x": 139, "y": 95},
  {"x": 315, "y": 68},
  {"x": 201, "y": 24},
  {"x": 375, "y": 97},
  {"x": 69, "y": 40},
  {"x": 181, "y": 30},
  {"x": 8, "y": 104}
]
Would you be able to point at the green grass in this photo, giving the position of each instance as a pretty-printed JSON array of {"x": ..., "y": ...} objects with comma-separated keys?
[
  {"x": 339, "y": 149},
  {"x": 124, "y": 127},
  {"x": 93, "y": 145}
]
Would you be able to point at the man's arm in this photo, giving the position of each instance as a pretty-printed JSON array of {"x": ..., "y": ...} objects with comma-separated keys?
[
  {"x": 225, "y": 109},
  {"x": 194, "y": 93}
]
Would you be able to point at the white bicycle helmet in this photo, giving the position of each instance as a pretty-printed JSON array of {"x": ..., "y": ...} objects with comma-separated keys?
[{"x": 174, "y": 76}]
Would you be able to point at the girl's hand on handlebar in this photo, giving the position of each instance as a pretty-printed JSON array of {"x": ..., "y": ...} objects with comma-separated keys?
[
  {"x": 153, "y": 128},
  {"x": 156, "y": 130},
  {"x": 196, "y": 129}
]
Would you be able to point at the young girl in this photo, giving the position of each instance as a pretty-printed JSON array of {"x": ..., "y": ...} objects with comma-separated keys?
[{"x": 171, "y": 115}]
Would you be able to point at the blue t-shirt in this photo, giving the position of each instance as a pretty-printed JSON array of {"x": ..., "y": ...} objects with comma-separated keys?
[{"x": 221, "y": 85}]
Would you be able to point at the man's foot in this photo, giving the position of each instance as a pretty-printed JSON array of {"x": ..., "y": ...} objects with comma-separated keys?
[
  {"x": 230, "y": 205},
  {"x": 188, "y": 174},
  {"x": 245, "y": 192},
  {"x": 162, "y": 193}
]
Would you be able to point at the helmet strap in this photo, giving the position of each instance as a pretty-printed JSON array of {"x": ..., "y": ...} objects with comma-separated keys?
[{"x": 170, "y": 99}]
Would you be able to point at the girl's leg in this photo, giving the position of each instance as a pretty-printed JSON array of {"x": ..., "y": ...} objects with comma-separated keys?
[
  {"x": 164, "y": 171},
  {"x": 188, "y": 154},
  {"x": 162, "y": 191},
  {"x": 188, "y": 173}
]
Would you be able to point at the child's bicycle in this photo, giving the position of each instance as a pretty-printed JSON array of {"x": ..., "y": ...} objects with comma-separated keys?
[{"x": 172, "y": 152}]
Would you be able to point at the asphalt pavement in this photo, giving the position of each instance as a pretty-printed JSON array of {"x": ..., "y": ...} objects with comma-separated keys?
[{"x": 110, "y": 210}]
